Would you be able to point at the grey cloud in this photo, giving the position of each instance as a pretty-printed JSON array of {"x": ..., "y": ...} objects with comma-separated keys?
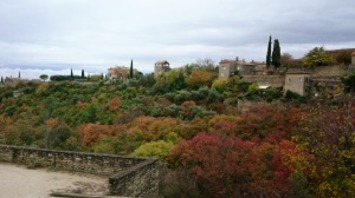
[{"x": 63, "y": 33}]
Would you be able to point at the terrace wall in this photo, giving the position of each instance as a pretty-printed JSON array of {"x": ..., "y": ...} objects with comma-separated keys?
[{"x": 130, "y": 176}]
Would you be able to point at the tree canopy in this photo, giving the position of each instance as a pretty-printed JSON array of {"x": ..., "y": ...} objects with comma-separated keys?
[
  {"x": 317, "y": 57},
  {"x": 44, "y": 77},
  {"x": 276, "y": 54},
  {"x": 268, "y": 53}
]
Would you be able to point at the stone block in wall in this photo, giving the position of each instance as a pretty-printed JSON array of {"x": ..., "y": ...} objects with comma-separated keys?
[
  {"x": 6, "y": 154},
  {"x": 141, "y": 180}
]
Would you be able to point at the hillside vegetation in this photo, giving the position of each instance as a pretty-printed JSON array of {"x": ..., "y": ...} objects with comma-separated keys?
[{"x": 281, "y": 146}]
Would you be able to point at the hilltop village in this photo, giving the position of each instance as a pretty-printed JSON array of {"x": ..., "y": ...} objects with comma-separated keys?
[
  {"x": 305, "y": 81},
  {"x": 300, "y": 80},
  {"x": 234, "y": 129}
]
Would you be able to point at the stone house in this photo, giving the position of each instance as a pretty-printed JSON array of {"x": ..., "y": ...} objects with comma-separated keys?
[
  {"x": 228, "y": 68},
  {"x": 118, "y": 72},
  {"x": 12, "y": 82},
  {"x": 297, "y": 80},
  {"x": 161, "y": 67}
]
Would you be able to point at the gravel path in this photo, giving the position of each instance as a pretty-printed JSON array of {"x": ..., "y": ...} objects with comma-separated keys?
[{"x": 20, "y": 182}]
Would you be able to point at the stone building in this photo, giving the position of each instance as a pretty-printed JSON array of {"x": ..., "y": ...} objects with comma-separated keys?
[
  {"x": 228, "y": 68},
  {"x": 298, "y": 82},
  {"x": 118, "y": 72},
  {"x": 161, "y": 67},
  {"x": 12, "y": 82}
]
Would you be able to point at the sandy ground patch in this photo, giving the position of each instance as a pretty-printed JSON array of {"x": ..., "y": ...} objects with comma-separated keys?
[{"x": 20, "y": 182}]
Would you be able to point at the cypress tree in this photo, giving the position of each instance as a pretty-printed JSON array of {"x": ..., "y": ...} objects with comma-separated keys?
[
  {"x": 19, "y": 74},
  {"x": 2, "y": 80},
  {"x": 131, "y": 70},
  {"x": 268, "y": 54},
  {"x": 71, "y": 73},
  {"x": 82, "y": 74},
  {"x": 276, "y": 54}
]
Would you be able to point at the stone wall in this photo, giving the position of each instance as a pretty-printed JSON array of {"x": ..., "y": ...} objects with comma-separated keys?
[
  {"x": 329, "y": 71},
  {"x": 298, "y": 83},
  {"x": 141, "y": 180},
  {"x": 271, "y": 80},
  {"x": 131, "y": 176}
]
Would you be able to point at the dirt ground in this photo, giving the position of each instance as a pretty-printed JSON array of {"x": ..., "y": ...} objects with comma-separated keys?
[{"x": 18, "y": 181}]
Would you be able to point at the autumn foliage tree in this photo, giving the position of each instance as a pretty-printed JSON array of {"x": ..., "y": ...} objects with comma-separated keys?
[
  {"x": 286, "y": 59},
  {"x": 200, "y": 78},
  {"x": 236, "y": 155},
  {"x": 328, "y": 134},
  {"x": 260, "y": 123},
  {"x": 227, "y": 166},
  {"x": 213, "y": 159},
  {"x": 114, "y": 104},
  {"x": 91, "y": 133}
]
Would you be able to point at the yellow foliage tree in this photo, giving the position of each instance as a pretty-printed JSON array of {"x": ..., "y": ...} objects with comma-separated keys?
[{"x": 200, "y": 78}]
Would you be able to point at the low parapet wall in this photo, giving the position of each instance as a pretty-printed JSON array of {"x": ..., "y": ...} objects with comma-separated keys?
[
  {"x": 130, "y": 176},
  {"x": 271, "y": 80},
  {"x": 140, "y": 181}
]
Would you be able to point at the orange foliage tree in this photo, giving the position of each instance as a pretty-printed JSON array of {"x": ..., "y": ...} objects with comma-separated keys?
[
  {"x": 91, "y": 133},
  {"x": 114, "y": 104}
]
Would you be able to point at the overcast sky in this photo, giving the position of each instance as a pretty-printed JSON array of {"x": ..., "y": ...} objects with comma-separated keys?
[{"x": 51, "y": 36}]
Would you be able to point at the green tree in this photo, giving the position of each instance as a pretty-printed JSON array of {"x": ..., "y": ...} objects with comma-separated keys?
[
  {"x": 2, "y": 80},
  {"x": 317, "y": 57},
  {"x": 220, "y": 85},
  {"x": 43, "y": 77},
  {"x": 170, "y": 81},
  {"x": 82, "y": 74},
  {"x": 276, "y": 54},
  {"x": 71, "y": 74},
  {"x": 349, "y": 81},
  {"x": 268, "y": 53},
  {"x": 160, "y": 149},
  {"x": 131, "y": 70}
]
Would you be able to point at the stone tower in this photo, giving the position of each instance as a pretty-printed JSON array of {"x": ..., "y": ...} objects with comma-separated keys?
[{"x": 161, "y": 67}]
